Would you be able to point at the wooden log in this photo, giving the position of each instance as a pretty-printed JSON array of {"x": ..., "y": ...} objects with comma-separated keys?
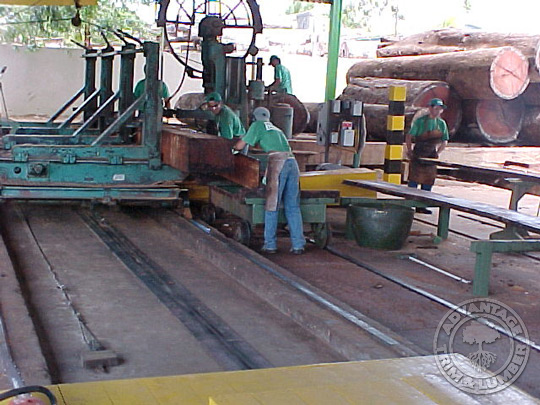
[
  {"x": 246, "y": 171},
  {"x": 313, "y": 109},
  {"x": 376, "y": 120},
  {"x": 478, "y": 74},
  {"x": 493, "y": 121},
  {"x": 531, "y": 95},
  {"x": 464, "y": 40},
  {"x": 375, "y": 91},
  {"x": 452, "y": 40},
  {"x": 530, "y": 131},
  {"x": 194, "y": 152},
  {"x": 301, "y": 114},
  {"x": 398, "y": 49}
]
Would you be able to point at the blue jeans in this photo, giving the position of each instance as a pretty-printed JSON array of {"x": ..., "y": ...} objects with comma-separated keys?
[
  {"x": 289, "y": 193},
  {"x": 414, "y": 184}
]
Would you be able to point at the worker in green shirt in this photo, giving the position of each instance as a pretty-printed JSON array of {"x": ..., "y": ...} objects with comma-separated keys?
[
  {"x": 430, "y": 135},
  {"x": 163, "y": 91},
  {"x": 282, "y": 183},
  {"x": 282, "y": 77},
  {"x": 229, "y": 124}
]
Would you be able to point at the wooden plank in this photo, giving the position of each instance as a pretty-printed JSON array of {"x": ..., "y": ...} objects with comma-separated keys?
[
  {"x": 485, "y": 210},
  {"x": 491, "y": 176},
  {"x": 246, "y": 171},
  {"x": 195, "y": 152},
  {"x": 501, "y": 173}
]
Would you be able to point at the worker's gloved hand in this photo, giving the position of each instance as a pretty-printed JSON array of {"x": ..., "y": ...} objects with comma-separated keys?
[{"x": 263, "y": 181}]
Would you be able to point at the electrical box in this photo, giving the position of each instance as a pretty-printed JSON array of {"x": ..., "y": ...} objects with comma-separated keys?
[{"x": 339, "y": 122}]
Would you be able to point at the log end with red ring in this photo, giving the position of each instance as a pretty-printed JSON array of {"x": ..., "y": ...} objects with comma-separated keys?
[{"x": 509, "y": 73}]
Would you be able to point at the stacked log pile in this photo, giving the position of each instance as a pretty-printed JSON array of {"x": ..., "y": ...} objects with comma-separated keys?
[{"x": 494, "y": 78}]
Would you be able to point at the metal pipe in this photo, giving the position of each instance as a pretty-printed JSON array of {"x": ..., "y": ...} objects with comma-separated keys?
[
  {"x": 333, "y": 49},
  {"x": 96, "y": 115},
  {"x": 439, "y": 270},
  {"x": 121, "y": 120}
]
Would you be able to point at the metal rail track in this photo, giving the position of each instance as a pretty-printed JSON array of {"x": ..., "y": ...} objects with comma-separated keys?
[
  {"x": 468, "y": 236},
  {"x": 432, "y": 297},
  {"x": 371, "y": 327},
  {"x": 219, "y": 340}
]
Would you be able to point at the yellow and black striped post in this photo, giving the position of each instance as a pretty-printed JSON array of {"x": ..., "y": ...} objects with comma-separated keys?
[{"x": 395, "y": 126}]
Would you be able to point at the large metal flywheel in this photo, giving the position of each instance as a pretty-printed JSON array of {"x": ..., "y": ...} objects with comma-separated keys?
[{"x": 181, "y": 18}]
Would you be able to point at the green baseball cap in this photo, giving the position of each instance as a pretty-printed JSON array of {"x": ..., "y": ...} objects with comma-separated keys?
[
  {"x": 436, "y": 102},
  {"x": 214, "y": 96}
]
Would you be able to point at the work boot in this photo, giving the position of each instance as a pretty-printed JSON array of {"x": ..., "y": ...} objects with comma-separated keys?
[
  {"x": 268, "y": 251},
  {"x": 298, "y": 251}
]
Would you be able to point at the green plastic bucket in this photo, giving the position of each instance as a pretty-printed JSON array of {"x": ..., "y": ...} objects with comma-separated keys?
[{"x": 379, "y": 225}]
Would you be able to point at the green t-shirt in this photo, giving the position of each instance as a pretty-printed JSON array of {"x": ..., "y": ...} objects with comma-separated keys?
[
  {"x": 282, "y": 73},
  {"x": 424, "y": 124},
  {"x": 229, "y": 123},
  {"x": 139, "y": 89},
  {"x": 269, "y": 137}
]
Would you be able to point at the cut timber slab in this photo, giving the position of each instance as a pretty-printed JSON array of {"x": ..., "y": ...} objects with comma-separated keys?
[{"x": 195, "y": 152}]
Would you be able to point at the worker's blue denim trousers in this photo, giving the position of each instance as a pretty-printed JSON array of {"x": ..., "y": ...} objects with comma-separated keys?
[{"x": 289, "y": 194}]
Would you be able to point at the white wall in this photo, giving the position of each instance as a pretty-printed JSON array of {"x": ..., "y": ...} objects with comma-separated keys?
[{"x": 39, "y": 82}]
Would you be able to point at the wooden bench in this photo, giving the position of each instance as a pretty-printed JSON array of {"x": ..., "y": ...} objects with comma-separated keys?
[{"x": 483, "y": 249}]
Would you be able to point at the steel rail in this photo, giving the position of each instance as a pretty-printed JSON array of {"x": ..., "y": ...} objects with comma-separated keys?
[
  {"x": 431, "y": 297},
  {"x": 226, "y": 346},
  {"x": 330, "y": 303}
]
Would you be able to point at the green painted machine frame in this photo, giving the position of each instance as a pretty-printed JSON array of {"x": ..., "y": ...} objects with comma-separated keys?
[
  {"x": 99, "y": 151},
  {"x": 313, "y": 204}
]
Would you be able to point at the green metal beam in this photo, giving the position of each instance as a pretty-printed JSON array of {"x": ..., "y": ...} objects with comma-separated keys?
[{"x": 333, "y": 49}]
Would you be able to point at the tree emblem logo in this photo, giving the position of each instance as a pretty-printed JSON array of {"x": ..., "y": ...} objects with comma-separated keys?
[
  {"x": 478, "y": 333},
  {"x": 481, "y": 346}
]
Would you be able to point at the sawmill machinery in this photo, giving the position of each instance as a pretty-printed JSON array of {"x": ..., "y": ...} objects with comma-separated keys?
[
  {"x": 224, "y": 67},
  {"x": 202, "y": 24},
  {"x": 108, "y": 148}
]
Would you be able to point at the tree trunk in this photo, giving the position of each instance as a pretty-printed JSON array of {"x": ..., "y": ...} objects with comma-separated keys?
[
  {"x": 465, "y": 40},
  {"x": 530, "y": 131},
  {"x": 376, "y": 120},
  {"x": 399, "y": 49},
  {"x": 493, "y": 121},
  {"x": 479, "y": 74},
  {"x": 374, "y": 90},
  {"x": 313, "y": 109},
  {"x": 531, "y": 95},
  {"x": 452, "y": 40}
]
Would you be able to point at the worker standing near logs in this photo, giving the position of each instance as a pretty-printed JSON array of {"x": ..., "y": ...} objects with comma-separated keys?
[
  {"x": 282, "y": 183},
  {"x": 430, "y": 134}
]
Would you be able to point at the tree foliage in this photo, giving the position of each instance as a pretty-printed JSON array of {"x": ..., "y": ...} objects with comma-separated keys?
[
  {"x": 358, "y": 13},
  {"x": 299, "y": 7},
  {"x": 36, "y": 25},
  {"x": 478, "y": 333}
]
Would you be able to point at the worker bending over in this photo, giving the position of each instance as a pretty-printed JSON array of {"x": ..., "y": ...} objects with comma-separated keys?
[
  {"x": 282, "y": 77},
  {"x": 229, "y": 124},
  {"x": 282, "y": 182}
]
